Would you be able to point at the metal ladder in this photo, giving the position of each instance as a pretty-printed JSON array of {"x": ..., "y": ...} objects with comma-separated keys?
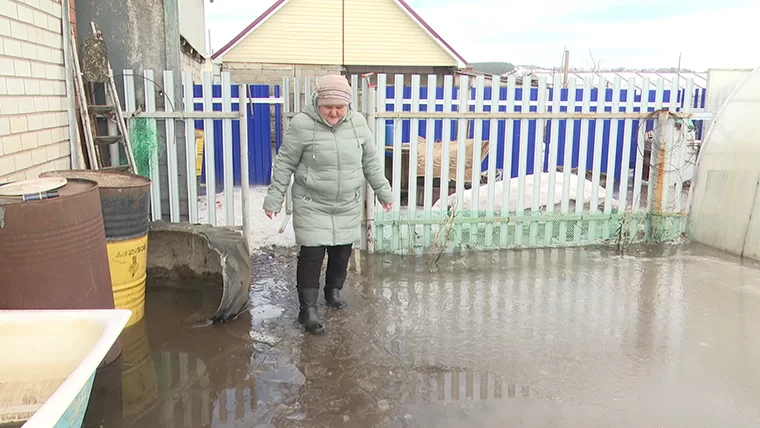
[{"x": 111, "y": 111}]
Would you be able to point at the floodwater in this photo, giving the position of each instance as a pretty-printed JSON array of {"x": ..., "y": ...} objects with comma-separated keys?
[{"x": 662, "y": 337}]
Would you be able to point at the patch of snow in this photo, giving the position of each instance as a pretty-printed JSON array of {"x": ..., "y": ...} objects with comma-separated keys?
[{"x": 264, "y": 232}]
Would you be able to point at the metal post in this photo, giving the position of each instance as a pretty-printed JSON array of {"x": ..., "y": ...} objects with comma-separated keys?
[{"x": 245, "y": 182}]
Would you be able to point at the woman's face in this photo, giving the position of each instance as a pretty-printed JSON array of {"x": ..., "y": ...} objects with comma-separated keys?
[{"x": 333, "y": 113}]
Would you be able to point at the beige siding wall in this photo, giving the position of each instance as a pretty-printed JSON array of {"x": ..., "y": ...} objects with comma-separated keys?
[
  {"x": 301, "y": 32},
  {"x": 33, "y": 120},
  {"x": 381, "y": 33}
]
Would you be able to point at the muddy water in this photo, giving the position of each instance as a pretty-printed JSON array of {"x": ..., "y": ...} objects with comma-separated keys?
[{"x": 665, "y": 336}]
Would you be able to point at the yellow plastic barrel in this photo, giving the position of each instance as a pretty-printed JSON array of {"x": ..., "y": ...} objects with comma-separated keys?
[{"x": 125, "y": 202}]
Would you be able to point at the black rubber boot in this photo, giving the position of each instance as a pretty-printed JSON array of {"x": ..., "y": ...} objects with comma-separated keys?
[
  {"x": 332, "y": 293},
  {"x": 332, "y": 298},
  {"x": 307, "y": 314}
]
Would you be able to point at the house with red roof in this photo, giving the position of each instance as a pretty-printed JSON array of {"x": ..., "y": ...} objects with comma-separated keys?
[{"x": 298, "y": 38}]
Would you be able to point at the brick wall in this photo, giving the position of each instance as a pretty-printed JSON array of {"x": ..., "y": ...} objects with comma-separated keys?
[{"x": 33, "y": 121}]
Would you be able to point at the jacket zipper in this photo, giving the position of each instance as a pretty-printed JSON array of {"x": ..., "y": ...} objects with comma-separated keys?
[{"x": 337, "y": 198}]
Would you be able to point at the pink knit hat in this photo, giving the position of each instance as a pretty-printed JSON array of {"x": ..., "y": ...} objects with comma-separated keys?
[{"x": 333, "y": 90}]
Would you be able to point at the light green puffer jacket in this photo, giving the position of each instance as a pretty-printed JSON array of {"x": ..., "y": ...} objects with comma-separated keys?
[{"x": 329, "y": 164}]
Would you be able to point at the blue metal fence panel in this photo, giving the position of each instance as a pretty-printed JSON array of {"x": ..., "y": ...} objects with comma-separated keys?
[
  {"x": 259, "y": 135},
  {"x": 497, "y": 144}
]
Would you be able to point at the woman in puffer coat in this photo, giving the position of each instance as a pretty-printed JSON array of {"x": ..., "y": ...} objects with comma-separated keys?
[{"x": 329, "y": 150}]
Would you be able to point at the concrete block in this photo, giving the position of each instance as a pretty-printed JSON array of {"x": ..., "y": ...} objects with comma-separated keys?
[
  {"x": 277, "y": 67},
  {"x": 11, "y": 144},
  {"x": 51, "y": 151},
  {"x": 33, "y": 172},
  {"x": 63, "y": 163},
  {"x": 25, "y": 14},
  {"x": 25, "y": 105},
  {"x": 29, "y": 141},
  {"x": 55, "y": 72},
  {"x": 41, "y": 104},
  {"x": 56, "y": 56},
  {"x": 3, "y": 86},
  {"x": 7, "y": 165},
  {"x": 22, "y": 68},
  {"x": 46, "y": 6},
  {"x": 23, "y": 160},
  {"x": 59, "y": 88},
  {"x": 36, "y": 35},
  {"x": 12, "y": 48},
  {"x": 60, "y": 134},
  {"x": 35, "y": 122},
  {"x": 49, "y": 120},
  {"x": 31, "y": 87},
  {"x": 54, "y": 23},
  {"x": 64, "y": 149},
  {"x": 16, "y": 176},
  {"x": 9, "y": 9},
  {"x": 6, "y": 67},
  {"x": 14, "y": 87},
  {"x": 40, "y": 19},
  {"x": 8, "y": 106},
  {"x": 46, "y": 87},
  {"x": 30, "y": 51},
  {"x": 39, "y": 156},
  {"x": 34, "y": 4},
  {"x": 44, "y": 54},
  {"x": 5, "y": 128},
  {"x": 19, "y": 30},
  {"x": 38, "y": 70},
  {"x": 51, "y": 40},
  {"x": 56, "y": 9},
  {"x": 5, "y": 26},
  {"x": 19, "y": 124},
  {"x": 45, "y": 137}
]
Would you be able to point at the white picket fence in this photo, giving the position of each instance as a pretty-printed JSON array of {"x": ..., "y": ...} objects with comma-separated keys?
[
  {"x": 154, "y": 89},
  {"x": 513, "y": 203},
  {"x": 508, "y": 202}
]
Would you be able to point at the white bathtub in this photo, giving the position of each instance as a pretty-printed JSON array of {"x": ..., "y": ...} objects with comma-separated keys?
[{"x": 48, "y": 360}]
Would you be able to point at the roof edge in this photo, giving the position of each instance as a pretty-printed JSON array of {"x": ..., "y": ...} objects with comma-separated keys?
[
  {"x": 252, "y": 26},
  {"x": 460, "y": 59},
  {"x": 461, "y": 62}
]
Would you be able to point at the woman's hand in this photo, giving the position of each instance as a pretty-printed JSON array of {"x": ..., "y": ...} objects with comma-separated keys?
[
  {"x": 270, "y": 214},
  {"x": 385, "y": 206}
]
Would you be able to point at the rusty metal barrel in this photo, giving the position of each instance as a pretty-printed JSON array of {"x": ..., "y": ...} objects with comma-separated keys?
[
  {"x": 53, "y": 253},
  {"x": 125, "y": 203}
]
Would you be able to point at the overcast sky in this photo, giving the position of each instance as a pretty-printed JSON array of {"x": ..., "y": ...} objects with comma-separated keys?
[{"x": 620, "y": 33}]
